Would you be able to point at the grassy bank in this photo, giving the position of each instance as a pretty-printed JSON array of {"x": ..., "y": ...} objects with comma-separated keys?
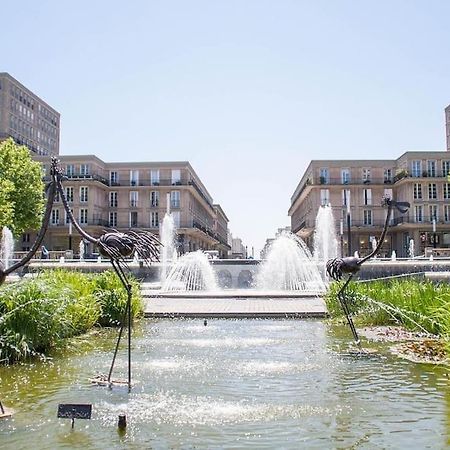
[
  {"x": 415, "y": 304},
  {"x": 37, "y": 315}
]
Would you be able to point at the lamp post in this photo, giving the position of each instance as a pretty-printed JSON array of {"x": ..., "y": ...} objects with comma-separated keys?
[
  {"x": 434, "y": 232},
  {"x": 70, "y": 235},
  {"x": 341, "y": 232},
  {"x": 349, "y": 232}
]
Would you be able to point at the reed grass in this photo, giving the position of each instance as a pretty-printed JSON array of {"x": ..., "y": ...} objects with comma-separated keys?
[
  {"x": 38, "y": 315},
  {"x": 414, "y": 304}
]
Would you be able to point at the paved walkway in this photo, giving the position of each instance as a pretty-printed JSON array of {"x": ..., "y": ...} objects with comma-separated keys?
[{"x": 236, "y": 308}]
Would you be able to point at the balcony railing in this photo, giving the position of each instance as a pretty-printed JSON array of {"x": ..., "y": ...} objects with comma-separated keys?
[{"x": 425, "y": 220}]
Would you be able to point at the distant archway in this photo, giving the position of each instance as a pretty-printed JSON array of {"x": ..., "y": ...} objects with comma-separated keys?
[
  {"x": 245, "y": 279},
  {"x": 224, "y": 279}
]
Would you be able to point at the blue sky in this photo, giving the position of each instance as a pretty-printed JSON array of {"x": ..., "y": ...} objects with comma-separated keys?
[{"x": 247, "y": 91}]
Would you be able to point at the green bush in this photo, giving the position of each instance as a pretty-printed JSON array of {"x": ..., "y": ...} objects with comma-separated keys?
[{"x": 38, "y": 314}]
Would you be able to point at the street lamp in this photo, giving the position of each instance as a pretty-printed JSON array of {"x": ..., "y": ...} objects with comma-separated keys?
[
  {"x": 434, "y": 232},
  {"x": 349, "y": 232}
]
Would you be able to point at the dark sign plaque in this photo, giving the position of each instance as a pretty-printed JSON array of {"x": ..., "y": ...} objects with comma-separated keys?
[{"x": 74, "y": 411}]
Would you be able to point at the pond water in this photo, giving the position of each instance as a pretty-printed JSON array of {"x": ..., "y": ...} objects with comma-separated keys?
[{"x": 265, "y": 384}]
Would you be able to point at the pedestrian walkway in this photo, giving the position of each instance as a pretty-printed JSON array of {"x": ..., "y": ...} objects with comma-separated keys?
[{"x": 261, "y": 308}]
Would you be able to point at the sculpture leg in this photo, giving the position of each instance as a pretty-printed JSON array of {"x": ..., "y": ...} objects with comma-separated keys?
[
  {"x": 127, "y": 286},
  {"x": 343, "y": 302}
]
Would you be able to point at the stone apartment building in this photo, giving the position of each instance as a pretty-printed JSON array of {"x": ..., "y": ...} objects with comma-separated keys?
[
  {"x": 27, "y": 118},
  {"x": 137, "y": 195},
  {"x": 421, "y": 178}
]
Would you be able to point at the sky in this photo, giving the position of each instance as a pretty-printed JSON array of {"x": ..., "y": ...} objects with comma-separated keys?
[{"x": 247, "y": 91}]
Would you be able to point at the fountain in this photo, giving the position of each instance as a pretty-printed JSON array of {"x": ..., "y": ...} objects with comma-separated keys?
[
  {"x": 325, "y": 240},
  {"x": 192, "y": 272},
  {"x": 411, "y": 249},
  {"x": 81, "y": 250},
  {"x": 7, "y": 247},
  {"x": 289, "y": 266},
  {"x": 394, "y": 256},
  {"x": 168, "y": 251}
]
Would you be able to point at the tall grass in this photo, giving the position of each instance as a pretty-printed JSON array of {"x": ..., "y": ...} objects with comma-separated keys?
[
  {"x": 37, "y": 315},
  {"x": 415, "y": 304}
]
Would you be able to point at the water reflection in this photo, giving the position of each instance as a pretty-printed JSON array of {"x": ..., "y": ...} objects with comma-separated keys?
[{"x": 244, "y": 384}]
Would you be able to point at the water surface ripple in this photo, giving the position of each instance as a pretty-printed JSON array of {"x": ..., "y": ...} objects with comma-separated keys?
[{"x": 231, "y": 384}]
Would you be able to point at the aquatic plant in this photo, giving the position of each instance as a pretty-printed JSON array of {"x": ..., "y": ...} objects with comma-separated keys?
[
  {"x": 414, "y": 304},
  {"x": 39, "y": 314}
]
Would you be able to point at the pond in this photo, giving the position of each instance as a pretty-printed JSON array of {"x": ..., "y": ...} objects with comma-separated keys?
[{"x": 230, "y": 384}]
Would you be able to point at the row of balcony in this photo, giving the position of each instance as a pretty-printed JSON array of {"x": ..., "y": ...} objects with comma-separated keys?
[
  {"x": 132, "y": 183},
  {"x": 424, "y": 220},
  {"x": 140, "y": 225}
]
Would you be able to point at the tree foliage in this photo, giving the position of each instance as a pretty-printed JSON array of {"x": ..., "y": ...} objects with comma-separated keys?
[{"x": 21, "y": 189}]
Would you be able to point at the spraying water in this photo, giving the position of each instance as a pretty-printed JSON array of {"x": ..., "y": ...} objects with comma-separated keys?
[
  {"x": 81, "y": 250},
  {"x": 325, "y": 240},
  {"x": 411, "y": 249},
  {"x": 191, "y": 272},
  {"x": 168, "y": 250},
  {"x": 289, "y": 266},
  {"x": 7, "y": 247}
]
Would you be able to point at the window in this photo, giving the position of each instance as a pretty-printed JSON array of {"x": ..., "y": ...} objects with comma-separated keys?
[
  {"x": 113, "y": 219},
  {"x": 367, "y": 196},
  {"x": 113, "y": 178},
  {"x": 133, "y": 199},
  {"x": 433, "y": 210},
  {"x": 387, "y": 175},
  {"x": 176, "y": 176},
  {"x": 431, "y": 168},
  {"x": 418, "y": 213},
  {"x": 55, "y": 217},
  {"x": 417, "y": 191},
  {"x": 154, "y": 219},
  {"x": 26, "y": 237},
  {"x": 345, "y": 176},
  {"x": 176, "y": 218},
  {"x": 366, "y": 175},
  {"x": 445, "y": 168},
  {"x": 416, "y": 168},
  {"x": 324, "y": 197},
  {"x": 388, "y": 193},
  {"x": 84, "y": 169},
  {"x": 432, "y": 193},
  {"x": 69, "y": 194},
  {"x": 447, "y": 213},
  {"x": 83, "y": 194},
  {"x": 175, "y": 199},
  {"x": 67, "y": 219},
  {"x": 154, "y": 199},
  {"x": 367, "y": 217},
  {"x": 154, "y": 177},
  {"x": 324, "y": 177},
  {"x": 113, "y": 200},
  {"x": 83, "y": 216},
  {"x": 70, "y": 170},
  {"x": 133, "y": 219},
  {"x": 446, "y": 191},
  {"x": 134, "y": 177}
]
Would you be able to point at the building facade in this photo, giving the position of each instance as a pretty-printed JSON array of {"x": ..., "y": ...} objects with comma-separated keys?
[
  {"x": 447, "y": 126},
  {"x": 357, "y": 188},
  {"x": 27, "y": 118},
  {"x": 125, "y": 196}
]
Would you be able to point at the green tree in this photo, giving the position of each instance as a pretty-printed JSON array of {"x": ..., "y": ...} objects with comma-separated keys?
[{"x": 21, "y": 189}]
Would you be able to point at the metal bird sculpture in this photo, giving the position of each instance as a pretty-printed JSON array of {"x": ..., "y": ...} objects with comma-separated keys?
[
  {"x": 116, "y": 246},
  {"x": 337, "y": 267}
]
